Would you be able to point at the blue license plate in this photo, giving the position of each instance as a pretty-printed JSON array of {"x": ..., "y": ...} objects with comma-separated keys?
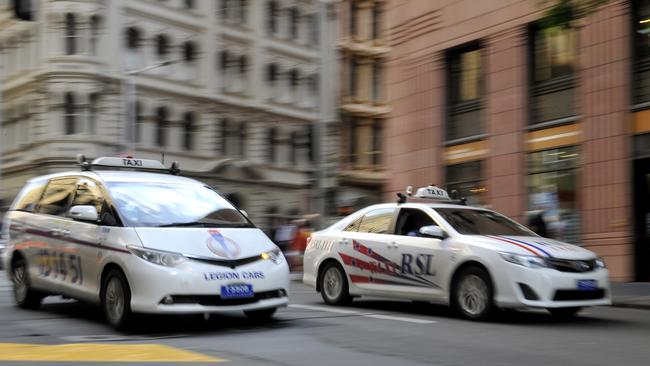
[
  {"x": 587, "y": 285},
  {"x": 239, "y": 291}
]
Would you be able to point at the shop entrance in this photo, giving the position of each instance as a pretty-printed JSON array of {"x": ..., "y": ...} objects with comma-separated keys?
[{"x": 641, "y": 199}]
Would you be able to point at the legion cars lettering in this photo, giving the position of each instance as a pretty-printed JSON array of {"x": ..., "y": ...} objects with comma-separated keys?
[{"x": 246, "y": 275}]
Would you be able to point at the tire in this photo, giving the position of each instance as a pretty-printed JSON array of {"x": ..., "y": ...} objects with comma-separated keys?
[
  {"x": 333, "y": 284},
  {"x": 116, "y": 300},
  {"x": 262, "y": 315},
  {"x": 24, "y": 295},
  {"x": 472, "y": 294},
  {"x": 564, "y": 312}
]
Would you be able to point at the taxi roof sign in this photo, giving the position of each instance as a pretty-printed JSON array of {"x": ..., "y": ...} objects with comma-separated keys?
[
  {"x": 128, "y": 163},
  {"x": 432, "y": 192}
]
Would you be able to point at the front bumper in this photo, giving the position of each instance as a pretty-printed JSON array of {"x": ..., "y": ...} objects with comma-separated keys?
[
  {"x": 548, "y": 288},
  {"x": 194, "y": 287}
]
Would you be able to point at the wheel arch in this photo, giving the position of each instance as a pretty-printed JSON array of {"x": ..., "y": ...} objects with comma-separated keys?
[
  {"x": 467, "y": 264},
  {"x": 108, "y": 267},
  {"x": 321, "y": 267}
]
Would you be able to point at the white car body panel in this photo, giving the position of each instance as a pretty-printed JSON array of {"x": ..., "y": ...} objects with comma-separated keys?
[
  {"x": 381, "y": 271},
  {"x": 210, "y": 264}
]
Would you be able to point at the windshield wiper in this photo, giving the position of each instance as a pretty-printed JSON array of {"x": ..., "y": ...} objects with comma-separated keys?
[{"x": 185, "y": 224}]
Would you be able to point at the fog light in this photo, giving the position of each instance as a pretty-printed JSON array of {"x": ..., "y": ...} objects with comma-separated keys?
[{"x": 168, "y": 300}]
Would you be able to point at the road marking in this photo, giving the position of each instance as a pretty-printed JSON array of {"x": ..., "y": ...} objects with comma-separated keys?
[
  {"x": 97, "y": 352},
  {"x": 325, "y": 309},
  {"x": 400, "y": 318},
  {"x": 367, "y": 315}
]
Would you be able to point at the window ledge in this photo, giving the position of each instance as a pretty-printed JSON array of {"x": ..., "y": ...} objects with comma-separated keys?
[
  {"x": 554, "y": 123},
  {"x": 464, "y": 140}
]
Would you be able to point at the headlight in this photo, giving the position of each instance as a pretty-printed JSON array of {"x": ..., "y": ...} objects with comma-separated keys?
[
  {"x": 167, "y": 259},
  {"x": 274, "y": 255},
  {"x": 600, "y": 263},
  {"x": 529, "y": 261}
]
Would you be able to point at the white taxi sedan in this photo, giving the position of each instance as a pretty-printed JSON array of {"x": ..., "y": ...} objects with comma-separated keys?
[
  {"x": 139, "y": 242},
  {"x": 473, "y": 259}
]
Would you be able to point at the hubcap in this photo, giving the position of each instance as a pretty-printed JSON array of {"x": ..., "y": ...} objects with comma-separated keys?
[
  {"x": 20, "y": 283},
  {"x": 114, "y": 299},
  {"x": 333, "y": 283},
  {"x": 473, "y": 295}
]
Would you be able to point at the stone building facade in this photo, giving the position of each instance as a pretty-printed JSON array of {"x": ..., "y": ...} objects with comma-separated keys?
[
  {"x": 227, "y": 88},
  {"x": 526, "y": 119}
]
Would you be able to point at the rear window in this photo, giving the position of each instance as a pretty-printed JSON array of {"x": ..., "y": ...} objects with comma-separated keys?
[{"x": 28, "y": 198}]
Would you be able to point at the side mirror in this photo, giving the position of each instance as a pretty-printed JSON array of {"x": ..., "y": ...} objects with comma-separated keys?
[
  {"x": 244, "y": 213},
  {"x": 84, "y": 213},
  {"x": 433, "y": 231}
]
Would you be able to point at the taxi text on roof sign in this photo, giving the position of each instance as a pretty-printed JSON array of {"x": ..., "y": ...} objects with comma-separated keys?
[
  {"x": 432, "y": 192},
  {"x": 129, "y": 162}
]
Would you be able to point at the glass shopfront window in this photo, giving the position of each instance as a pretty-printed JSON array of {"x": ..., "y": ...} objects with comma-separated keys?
[
  {"x": 466, "y": 180},
  {"x": 552, "y": 194}
]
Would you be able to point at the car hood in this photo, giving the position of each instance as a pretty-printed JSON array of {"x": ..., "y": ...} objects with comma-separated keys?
[
  {"x": 535, "y": 245},
  {"x": 208, "y": 243}
]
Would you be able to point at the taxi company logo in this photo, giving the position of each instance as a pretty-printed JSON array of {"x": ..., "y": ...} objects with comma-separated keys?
[{"x": 222, "y": 246}]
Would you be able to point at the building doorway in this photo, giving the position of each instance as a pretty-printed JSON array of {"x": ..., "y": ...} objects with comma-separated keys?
[{"x": 641, "y": 199}]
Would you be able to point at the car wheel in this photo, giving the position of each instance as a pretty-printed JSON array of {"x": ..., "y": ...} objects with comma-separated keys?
[
  {"x": 564, "y": 312},
  {"x": 24, "y": 295},
  {"x": 116, "y": 300},
  {"x": 472, "y": 294},
  {"x": 334, "y": 285},
  {"x": 262, "y": 315}
]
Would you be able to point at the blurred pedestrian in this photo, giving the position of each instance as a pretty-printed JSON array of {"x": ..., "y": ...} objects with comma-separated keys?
[{"x": 538, "y": 225}]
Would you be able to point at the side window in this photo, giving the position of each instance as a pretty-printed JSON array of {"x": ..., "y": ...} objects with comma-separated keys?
[
  {"x": 410, "y": 221},
  {"x": 29, "y": 196},
  {"x": 57, "y": 196},
  {"x": 88, "y": 194},
  {"x": 377, "y": 221},
  {"x": 353, "y": 226}
]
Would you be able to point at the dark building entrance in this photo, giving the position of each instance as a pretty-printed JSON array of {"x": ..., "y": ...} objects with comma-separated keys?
[{"x": 641, "y": 204}]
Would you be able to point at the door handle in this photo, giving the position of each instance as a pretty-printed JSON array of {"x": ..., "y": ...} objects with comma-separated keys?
[
  {"x": 55, "y": 232},
  {"x": 65, "y": 232},
  {"x": 343, "y": 241},
  {"x": 392, "y": 244}
]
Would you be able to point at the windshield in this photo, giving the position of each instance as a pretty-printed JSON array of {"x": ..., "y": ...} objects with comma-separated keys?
[
  {"x": 479, "y": 222},
  {"x": 173, "y": 205}
]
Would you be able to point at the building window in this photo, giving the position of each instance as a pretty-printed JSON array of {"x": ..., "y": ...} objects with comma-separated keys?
[
  {"x": 94, "y": 34},
  {"x": 139, "y": 120},
  {"x": 189, "y": 52},
  {"x": 641, "y": 54},
  {"x": 553, "y": 73},
  {"x": 162, "y": 46},
  {"x": 224, "y": 57},
  {"x": 353, "y": 18},
  {"x": 272, "y": 144},
  {"x": 243, "y": 11},
  {"x": 233, "y": 138},
  {"x": 188, "y": 131},
  {"x": 377, "y": 71},
  {"x": 272, "y": 73},
  {"x": 243, "y": 65},
  {"x": 294, "y": 18},
  {"x": 93, "y": 102},
  {"x": 464, "y": 70},
  {"x": 71, "y": 35},
  {"x": 161, "y": 127},
  {"x": 70, "y": 114},
  {"x": 133, "y": 38},
  {"x": 314, "y": 29},
  {"x": 309, "y": 143},
  {"x": 552, "y": 193},
  {"x": 353, "y": 75},
  {"x": 352, "y": 140},
  {"x": 272, "y": 19},
  {"x": 294, "y": 79},
  {"x": 242, "y": 132},
  {"x": 189, "y": 4},
  {"x": 293, "y": 157},
  {"x": 466, "y": 180},
  {"x": 377, "y": 142},
  {"x": 376, "y": 21}
]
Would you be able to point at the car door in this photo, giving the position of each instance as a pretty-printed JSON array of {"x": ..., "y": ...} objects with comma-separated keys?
[
  {"x": 50, "y": 224},
  {"x": 365, "y": 247},
  {"x": 82, "y": 246},
  {"x": 420, "y": 258}
]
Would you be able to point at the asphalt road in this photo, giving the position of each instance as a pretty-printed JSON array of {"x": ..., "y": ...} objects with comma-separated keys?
[{"x": 370, "y": 332}]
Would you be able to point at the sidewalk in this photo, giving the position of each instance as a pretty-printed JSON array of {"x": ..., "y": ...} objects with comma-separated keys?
[
  {"x": 625, "y": 295},
  {"x": 631, "y": 295}
]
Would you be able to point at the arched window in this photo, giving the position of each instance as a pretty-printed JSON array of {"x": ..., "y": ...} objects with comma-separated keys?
[
  {"x": 161, "y": 126},
  {"x": 189, "y": 51},
  {"x": 162, "y": 46},
  {"x": 70, "y": 114},
  {"x": 188, "y": 131},
  {"x": 272, "y": 9},
  {"x": 294, "y": 17},
  {"x": 133, "y": 38},
  {"x": 71, "y": 35}
]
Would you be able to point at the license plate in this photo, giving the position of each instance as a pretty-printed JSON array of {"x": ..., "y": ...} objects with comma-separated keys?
[
  {"x": 587, "y": 285},
  {"x": 238, "y": 291}
]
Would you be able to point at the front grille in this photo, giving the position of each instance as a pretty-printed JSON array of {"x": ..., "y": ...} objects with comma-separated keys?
[
  {"x": 573, "y": 295},
  {"x": 568, "y": 265},
  {"x": 230, "y": 263},
  {"x": 216, "y": 300}
]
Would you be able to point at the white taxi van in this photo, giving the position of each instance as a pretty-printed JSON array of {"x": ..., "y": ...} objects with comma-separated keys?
[
  {"x": 429, "y": 248},
  {"x": 129, "y": 235}
]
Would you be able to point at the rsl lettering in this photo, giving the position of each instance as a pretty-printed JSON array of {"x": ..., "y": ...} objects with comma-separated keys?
[{"x": 422, "y": 265}]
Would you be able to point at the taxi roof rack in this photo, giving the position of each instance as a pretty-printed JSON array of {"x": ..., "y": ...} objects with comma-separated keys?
[
  {"x": 431, "y": 193},
  {"x": 126, "y": 163}
]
